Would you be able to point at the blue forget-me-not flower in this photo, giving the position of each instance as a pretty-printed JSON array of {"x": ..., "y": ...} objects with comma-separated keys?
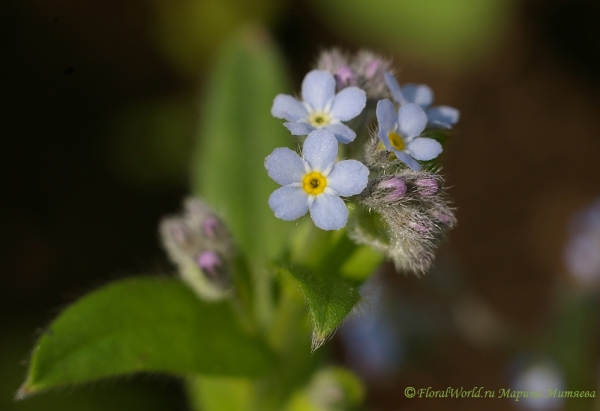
[
  {"x": 314, "y": 182},
  {"x": 421, "y": 94},
  {"x": 400, "y": 133},
  {"x": 320, "y": 107}
]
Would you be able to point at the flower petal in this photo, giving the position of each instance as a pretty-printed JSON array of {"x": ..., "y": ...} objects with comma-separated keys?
[
  {"x": 386, "y": 117},
  {"x": 284, "y": 166},
  {"x": 394, "y": 87},
  {"x": 348, "y": 103},
  {"x": 329, "y": 212},
  {"x": 320, "y": 150},
  {"x": 348, "y": 178},
  {"x": 318, "y": 89},
  {"x": 443, "y": 116},
  {"x": 342, "y": 132},
  {"x": 288, "y": 108},
  {"x": 299, "y": 129},
  {"x": 411, "y": 120},
  {"x": 408, "y": 160},
  {"x": 419, "y": 94},
  {"x": 289, "y": 202},
  {"x": 424, "y": 148}
]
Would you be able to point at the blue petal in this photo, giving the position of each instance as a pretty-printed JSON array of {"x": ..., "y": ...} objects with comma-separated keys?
[
  {"x": 411, "y": 120},
  {"x": 343, "y": 133},
  {"x": 408, "y": 160},
  {"x": 348, "y": 103},
  {"x": 394, "y": 87},
  {"x": 285, "y": 166},
  {"x": 318, "y": 89},
  {"x": 418, "y": 94},
  {"x": 386, "y": 117},
  {"x": 424, "y": 148},
  {"x": 329, "y": 212},
  {"x": 299, "y": 129},
  {"x": 320, "y": 149},
  {"x": 288, "y": 108},
  {"x": 289, "y": 202},
  {"x": 443, "y": 116},
  {"x": 348, "y": 178}
]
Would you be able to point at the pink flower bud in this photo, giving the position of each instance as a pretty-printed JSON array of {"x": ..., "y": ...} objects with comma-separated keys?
[
  {"x": 418, "y": 227},
  {"x": 211, "y": 227},
  {"x": 397, "y": 186},
  {"x": 210, "y": 263},
  {"x": 372, "y": 69},
  {"x": 344, "y": 77},
  {"x": 427, "y": 187}
]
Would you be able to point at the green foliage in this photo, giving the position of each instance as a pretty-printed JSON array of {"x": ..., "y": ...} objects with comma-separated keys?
[
  {"x": 328, "y": 268},
  {"x": 143, "y": 325},
  {"x": 330, "y": 389},
  {"x": 236, "y": 135},
  {"x": 330, "y": 299},
  {"x": 456, "y": 31},
  {"x": 290, "y": 336}
]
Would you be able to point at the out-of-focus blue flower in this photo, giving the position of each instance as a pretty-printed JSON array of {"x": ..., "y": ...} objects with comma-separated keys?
[
  {"x": 421, "y": 94},
  {"x": 582, "y": 252},
  {"x": 321, "y": 107},
  {"x": 538, "y": 379},
  {"x": 314, "y": 182},
  {"x": 400, "y": 133},
  {"x": 373, "y": 339}
]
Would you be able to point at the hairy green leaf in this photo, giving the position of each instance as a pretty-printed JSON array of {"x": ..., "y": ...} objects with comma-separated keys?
[
  {"x": 330, "y": 299},
  {"x": 143, "y": 325}
]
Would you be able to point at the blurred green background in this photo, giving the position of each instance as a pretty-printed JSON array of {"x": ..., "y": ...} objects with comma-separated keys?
[{"x": 99, "y": 105}]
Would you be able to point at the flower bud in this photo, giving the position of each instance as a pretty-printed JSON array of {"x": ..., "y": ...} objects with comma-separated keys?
[
  {"x": 176, "y": 231},
  {"x": 418, "y": 227},
  {"x": 344, "y": 77},
  {"x": 444, "y": 216},
  {"x": 426, "y": 187},
  {"x": 211, "y": 227},
  {"x": 200, "y": 245},
  {"x": 211, "y": 264},
  {"x": 372, "y": 68},
  {"x": 396, "y": 187}
]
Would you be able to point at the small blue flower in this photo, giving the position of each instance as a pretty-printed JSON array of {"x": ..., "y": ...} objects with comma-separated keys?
[
  {"x": 321, "y": 107},
  {"x": 315, "y": 181},
  {"x": 440, "y": 116},
  {"x": 400, "y": 133}
]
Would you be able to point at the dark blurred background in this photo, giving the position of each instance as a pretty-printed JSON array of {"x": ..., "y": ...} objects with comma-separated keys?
[{"x": 99, "y": 103}]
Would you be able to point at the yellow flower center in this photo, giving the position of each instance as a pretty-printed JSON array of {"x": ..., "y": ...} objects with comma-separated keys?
[
  {"x": 319, "y": 119},
  {"x": 314, "y": 183},
  {"x": 396, "y": 141}
]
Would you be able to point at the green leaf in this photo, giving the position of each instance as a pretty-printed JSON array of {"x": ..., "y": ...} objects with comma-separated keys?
[
  {"x": 290, "y": 336},
  {"x": 330, "y": 299},
  {"x": 143, "y": 325},
  {"x": 237, "y": 132}
]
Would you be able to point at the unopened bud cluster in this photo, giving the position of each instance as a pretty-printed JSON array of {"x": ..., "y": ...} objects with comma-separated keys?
[
  {"x": 403, "y": 215},
  {"x": 200, "y": 245},
  {"x": 364, "y": 70}
]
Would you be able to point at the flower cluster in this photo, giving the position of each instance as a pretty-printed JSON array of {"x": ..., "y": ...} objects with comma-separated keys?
[
  {"x": 198, "y": 242},
  {"x": 401, "y": 210}
]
